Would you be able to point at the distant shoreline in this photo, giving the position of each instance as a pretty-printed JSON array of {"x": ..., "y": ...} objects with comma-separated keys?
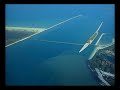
[
  {"x": 17, "y": 34},
  {"x": 24, "y": 29},
  {"x": 38, "y": 29}
]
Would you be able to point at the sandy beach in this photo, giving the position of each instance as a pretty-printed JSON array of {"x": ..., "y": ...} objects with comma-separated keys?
[
  {"x": 25, "y": 29},
  {"x": 17, "y": 34}
]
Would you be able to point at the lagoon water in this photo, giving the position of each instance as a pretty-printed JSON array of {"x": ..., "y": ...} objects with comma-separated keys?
[{"x": 32, "y": 62}]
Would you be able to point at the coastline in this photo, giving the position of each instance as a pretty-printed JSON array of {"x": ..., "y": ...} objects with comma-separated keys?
[
  {"x": 33, "y": 31},
  {"x": 11, "y": 28},
  {"x": 24, "y": 29},
  {"x": 100, "y": 73}
]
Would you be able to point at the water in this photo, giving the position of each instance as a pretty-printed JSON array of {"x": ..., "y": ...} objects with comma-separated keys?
[{"x": 32, "y": 62}]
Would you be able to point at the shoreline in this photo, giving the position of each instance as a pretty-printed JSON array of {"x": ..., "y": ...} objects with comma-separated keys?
[
  {"x": 24, "y": 29},
  {"x": 40, "y": 30},
  {"x": 34, "y": 30}
]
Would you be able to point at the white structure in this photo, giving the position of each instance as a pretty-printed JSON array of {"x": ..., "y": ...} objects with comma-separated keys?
[
  {"x": 91, "y": 39},
  {"x": 101, "y": 77}
]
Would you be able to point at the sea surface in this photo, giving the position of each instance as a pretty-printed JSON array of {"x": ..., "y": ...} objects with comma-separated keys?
[{"x": 33, "y": 62}]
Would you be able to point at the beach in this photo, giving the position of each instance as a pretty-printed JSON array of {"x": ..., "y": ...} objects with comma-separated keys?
[{"x": 17, "y": 34}]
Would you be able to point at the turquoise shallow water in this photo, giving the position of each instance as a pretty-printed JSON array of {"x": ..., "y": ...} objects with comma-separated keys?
[{"x": 32, "y": 62}]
